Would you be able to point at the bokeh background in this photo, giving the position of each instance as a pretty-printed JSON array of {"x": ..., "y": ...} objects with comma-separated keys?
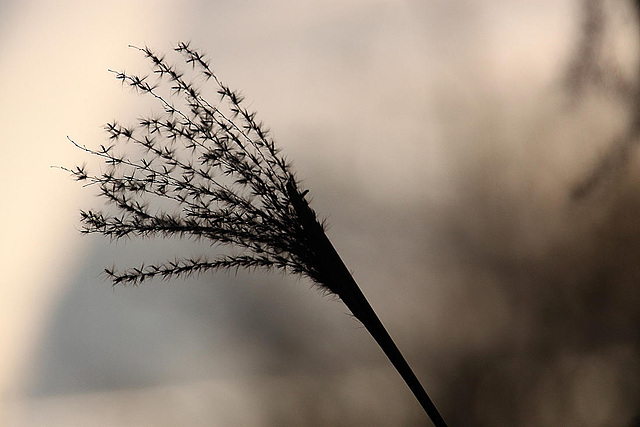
[{"x": 442, "y": 140}]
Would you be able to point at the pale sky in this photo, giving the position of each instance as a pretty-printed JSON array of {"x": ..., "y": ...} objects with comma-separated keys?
[{"x": 374, "y": 98}]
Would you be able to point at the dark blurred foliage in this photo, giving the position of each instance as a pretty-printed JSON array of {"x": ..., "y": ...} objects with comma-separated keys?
[
  {"x": 571, "y": 353},
  {"x": 596, "y": 68}
]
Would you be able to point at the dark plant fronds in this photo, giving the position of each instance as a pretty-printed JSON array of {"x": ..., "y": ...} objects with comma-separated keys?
[
  {"x": 202, "y": 170},
  {"x": 210, "y": 171}
]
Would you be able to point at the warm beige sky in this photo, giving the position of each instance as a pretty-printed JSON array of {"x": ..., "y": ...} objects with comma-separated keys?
[
  {"x": 379, "y": 94},
  {"x": 54, "y": 83}
]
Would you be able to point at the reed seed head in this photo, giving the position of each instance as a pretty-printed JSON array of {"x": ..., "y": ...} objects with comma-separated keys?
[{"x": 202, "y": 170}]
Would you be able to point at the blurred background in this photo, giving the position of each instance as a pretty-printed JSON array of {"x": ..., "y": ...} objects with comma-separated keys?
[{"x": 476, "y": 162}]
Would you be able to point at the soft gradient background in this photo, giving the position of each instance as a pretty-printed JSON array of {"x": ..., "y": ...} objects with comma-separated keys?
[{"x": 440, "y": 142}]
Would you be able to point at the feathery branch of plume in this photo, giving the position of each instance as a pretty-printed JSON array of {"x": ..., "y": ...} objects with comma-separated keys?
[{"x": 220, "y": 170}]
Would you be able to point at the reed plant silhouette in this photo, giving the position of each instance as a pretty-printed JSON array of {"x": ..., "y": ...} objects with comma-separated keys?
[{"x": 210, "y": 171}]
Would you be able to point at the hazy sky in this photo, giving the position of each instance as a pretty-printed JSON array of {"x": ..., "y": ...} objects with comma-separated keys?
[
  {"x": 346, "y": 65},
  {"x": 410, "y": 108}
]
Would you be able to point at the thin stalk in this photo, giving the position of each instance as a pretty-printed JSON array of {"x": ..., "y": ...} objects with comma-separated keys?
[
  {"x": 335, "y": 275},
  {"x": 384, "y": 340},
  {"x": 362, "y": 310}
]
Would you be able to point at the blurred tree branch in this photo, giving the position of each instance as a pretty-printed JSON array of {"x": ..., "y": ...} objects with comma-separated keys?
[{"x": 593, "y": 66}]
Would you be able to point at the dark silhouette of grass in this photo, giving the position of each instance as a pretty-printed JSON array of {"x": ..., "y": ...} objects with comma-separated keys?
[{"x": 210, "y": 171}]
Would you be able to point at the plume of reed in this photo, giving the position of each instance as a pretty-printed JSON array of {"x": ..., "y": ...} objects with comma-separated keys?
[{"x": 211, "y": 171}]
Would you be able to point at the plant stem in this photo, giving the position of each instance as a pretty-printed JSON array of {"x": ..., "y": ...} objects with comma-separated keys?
[
  {"x": 355, "y": 300},
  {"x": 336, "y": 276}
]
